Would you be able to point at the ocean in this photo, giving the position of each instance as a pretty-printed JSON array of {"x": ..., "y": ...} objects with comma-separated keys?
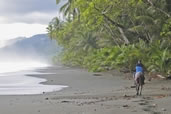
[{"x": 14, "y": 79}]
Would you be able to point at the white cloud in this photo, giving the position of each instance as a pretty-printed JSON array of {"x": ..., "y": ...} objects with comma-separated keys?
[
  {"x": 28, "y": 11},
  {"x": 32, "y": 17},
  {"x": 26, "y": 17},
  {"x": 26, "y": 6},
  {"x": 9, "y": 31},
  {"x": 2, "y": 19}
]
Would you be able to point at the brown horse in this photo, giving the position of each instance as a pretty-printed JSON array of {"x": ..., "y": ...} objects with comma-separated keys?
[{"x": 139, "y": 82}]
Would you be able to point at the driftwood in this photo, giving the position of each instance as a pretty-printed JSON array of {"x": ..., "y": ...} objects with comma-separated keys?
[
  {"x": 153, "y": 75},
  {"x": 160, "y": 76}
]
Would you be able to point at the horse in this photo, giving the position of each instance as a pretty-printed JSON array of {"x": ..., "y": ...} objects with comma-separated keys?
[{"x": 139, "y": 82}]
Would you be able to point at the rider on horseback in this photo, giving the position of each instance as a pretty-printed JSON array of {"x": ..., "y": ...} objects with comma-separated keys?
[{"x": 139, "y": 69}]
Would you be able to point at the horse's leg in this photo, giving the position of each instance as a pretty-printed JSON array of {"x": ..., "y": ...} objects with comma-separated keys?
[
  {"x": 141, "y": 82},
  {"x": 141, "y": 89},
  {"x": 137, "y": 89}
]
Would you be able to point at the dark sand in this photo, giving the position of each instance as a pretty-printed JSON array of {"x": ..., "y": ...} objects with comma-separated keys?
[{"x": 91, "y": 93}]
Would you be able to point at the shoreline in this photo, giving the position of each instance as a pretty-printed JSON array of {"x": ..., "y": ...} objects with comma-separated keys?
[{"x": 90, "y": 93}]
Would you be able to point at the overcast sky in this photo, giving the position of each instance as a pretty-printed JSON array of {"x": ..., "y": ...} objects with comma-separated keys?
[{"x": 25, "y": 17}]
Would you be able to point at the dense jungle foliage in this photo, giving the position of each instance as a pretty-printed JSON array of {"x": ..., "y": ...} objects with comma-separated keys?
[{"x": 110, "y": 34}]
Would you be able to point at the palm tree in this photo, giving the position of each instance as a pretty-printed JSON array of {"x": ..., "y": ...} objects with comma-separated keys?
[
  {"x": 87, "y": 41},
  {"x": 54, "y": 26},
  {"x": 68, "y": 9}
]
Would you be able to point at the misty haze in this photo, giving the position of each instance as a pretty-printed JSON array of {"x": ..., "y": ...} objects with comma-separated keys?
[
  {"x": 21, "y": 56},
  {"x": 22, "y": 51}
]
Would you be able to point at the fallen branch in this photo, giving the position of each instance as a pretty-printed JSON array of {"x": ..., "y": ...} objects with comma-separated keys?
[{"x": 160, "y": 76}]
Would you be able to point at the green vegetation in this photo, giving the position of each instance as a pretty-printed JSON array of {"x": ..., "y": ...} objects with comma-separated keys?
[{"x": 109, "y": 34}]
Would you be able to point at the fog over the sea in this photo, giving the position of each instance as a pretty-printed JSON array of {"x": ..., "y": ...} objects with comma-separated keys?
[{"x": 24, "y": 18}]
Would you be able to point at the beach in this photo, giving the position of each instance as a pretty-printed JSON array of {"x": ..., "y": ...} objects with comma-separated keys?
[{"x": 90, "y": 93}]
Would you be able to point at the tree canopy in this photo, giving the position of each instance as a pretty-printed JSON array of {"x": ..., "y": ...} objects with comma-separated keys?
[{"x": 108, "y": 34}]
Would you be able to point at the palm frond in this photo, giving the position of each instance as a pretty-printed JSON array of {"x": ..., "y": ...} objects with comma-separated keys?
[
  {"x": 137, "y": 28},
  {"x": 146, "y": 19},
  {"x": 67, "y": 10},
  {"x": 63, "y": 8},
  {"x": 57, "y": 1}
]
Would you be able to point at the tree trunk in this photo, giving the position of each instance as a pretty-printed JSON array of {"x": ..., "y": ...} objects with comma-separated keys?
[
  {"x": 123, "y": 35},
  {"x": 109, "y": 30}
]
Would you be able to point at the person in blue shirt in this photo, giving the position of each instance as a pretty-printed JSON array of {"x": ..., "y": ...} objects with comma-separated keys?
[{"x": 139, "y": 68}]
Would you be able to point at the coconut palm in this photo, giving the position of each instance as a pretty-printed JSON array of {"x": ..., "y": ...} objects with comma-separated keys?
[
  {"x": 54, "y": 26},
  {"x": 68, "y": 9}
]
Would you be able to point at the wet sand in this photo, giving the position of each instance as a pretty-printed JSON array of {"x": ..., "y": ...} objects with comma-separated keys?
[{"x": 91, "y": 93}]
